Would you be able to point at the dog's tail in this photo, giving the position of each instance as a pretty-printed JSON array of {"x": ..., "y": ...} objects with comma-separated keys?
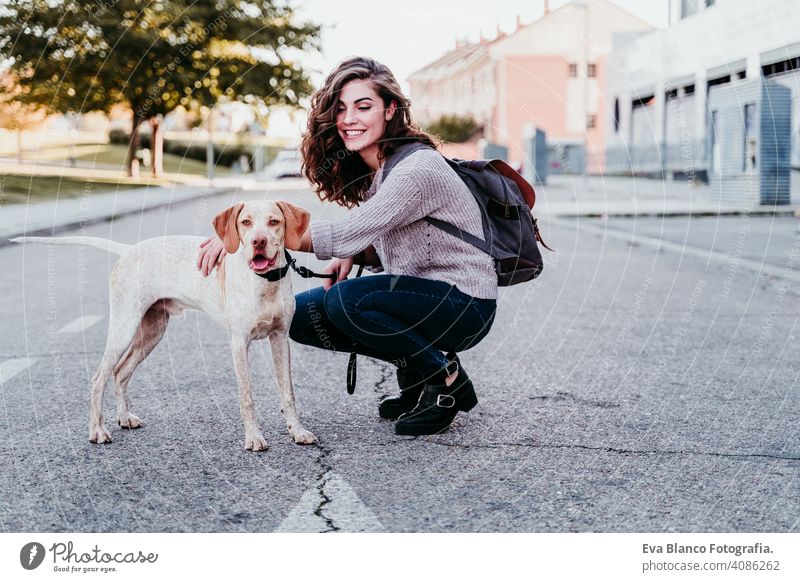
[{"x": 91, "y": 241}]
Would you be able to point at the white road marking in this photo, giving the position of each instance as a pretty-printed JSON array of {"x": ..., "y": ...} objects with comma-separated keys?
[
  {"x": 14, "y": 366},
  {"x": 80, "y": 324},
  {"x": 344, "y": 510}
]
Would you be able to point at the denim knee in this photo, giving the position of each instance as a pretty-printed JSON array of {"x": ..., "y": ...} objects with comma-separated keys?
[
  {"x": 307, "y": 306},
  {"x": 337, "y": 307}
]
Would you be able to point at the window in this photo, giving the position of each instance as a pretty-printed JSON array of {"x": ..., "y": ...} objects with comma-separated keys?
[
  {"x": 591, "y": 121},
  {"x": 573, "y": 70},
  {"x": 718, "y": 81},
  {"x": 781, "y": 67},
  {"x": 616, "y": 115},
  {"x": 591, "y": 70},
  {"x": 642, "y": 102},
  {"x": 688, "y": 8}
]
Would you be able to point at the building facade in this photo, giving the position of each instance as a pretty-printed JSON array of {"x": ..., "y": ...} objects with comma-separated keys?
[
  {"x": 549, "y": 74},
  {"x": 659, "y": 83}
]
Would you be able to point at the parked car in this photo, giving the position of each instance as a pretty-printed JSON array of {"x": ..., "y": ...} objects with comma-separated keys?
[{"x": 287, "y": 164}]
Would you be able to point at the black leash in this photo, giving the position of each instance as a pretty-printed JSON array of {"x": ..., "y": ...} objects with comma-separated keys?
[
  {"x": 351, "y": 363},
  {"x": 305, "y": 272},
  {"x": 278, "y": 274}
]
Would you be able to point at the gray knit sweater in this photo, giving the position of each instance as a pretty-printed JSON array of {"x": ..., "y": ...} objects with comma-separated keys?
[{"x": 390, "y": 218}]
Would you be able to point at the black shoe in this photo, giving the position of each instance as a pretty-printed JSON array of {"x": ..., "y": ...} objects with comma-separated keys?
[
  {"x": 438, "y": 407},
  {"x": 411, "y": 384}
]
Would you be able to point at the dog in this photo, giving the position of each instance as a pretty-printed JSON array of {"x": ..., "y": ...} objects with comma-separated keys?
[{"x": 157, "y": 278}]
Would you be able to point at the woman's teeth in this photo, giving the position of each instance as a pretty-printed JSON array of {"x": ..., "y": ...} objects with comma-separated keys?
[{"x": 353, "y": 132}]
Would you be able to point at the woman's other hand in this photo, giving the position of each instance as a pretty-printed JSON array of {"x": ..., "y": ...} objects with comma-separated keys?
[
  {"x": 341, "y": 267},
  {"x": 211, "y": 254}
]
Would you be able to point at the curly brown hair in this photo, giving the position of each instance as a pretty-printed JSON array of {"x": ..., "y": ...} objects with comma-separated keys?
[{"x": 337, "y": 174}]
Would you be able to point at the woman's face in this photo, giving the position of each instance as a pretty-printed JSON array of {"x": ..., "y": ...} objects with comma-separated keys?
[{"x": 361, "y": 116}]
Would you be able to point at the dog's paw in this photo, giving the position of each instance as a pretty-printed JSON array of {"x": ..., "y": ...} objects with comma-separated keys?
[
  {"x": 132, "y": 421},
  {"x": 99, "y": 435},
  {"x": 303, "y": 437},
  {"x": 255, "y": 443}
]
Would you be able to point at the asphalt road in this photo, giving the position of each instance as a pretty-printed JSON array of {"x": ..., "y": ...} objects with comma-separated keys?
[{"x": 628, "y": 389}]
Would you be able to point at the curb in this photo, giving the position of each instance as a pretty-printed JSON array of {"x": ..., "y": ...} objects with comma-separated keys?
[
  {"x": 656, "y": 214},
  {"x": 65, "y": 226}
]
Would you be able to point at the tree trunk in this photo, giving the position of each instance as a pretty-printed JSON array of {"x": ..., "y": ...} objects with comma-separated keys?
[
  {"x": 157, "y": 147},
  {"x": 133, "y": 145}
]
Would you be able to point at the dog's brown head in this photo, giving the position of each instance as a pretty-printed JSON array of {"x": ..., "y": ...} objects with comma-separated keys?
[{"x": 262, "y": 229}]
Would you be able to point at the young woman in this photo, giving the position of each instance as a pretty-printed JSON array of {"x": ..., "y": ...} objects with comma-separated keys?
[{"x": 438, "y": 294}]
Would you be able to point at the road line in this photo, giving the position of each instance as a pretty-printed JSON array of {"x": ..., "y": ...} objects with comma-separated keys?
[
  {"x": 14, "y": 366},
  {"x": 330, "y": 501},
  {"x": 80, "y": 324},
  {"x": 707, "y": 255}
]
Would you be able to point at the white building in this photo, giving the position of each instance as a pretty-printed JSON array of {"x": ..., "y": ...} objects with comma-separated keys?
[{"x": 658, "y": 82}]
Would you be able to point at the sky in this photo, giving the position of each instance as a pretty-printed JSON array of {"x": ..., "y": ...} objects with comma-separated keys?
[{"x": 409, "y": 34}]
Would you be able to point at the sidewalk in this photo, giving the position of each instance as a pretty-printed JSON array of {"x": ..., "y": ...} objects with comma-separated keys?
[
  {"x": 51, "y": 217},
  {"x": 565, "y": 195}
]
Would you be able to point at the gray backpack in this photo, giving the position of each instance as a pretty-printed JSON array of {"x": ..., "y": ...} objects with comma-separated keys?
[{"x": 505, "y": 199}]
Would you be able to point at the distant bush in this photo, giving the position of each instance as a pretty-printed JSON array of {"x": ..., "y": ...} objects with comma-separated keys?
[
  {"x": 122, "y": 137},
  {"x": 453, "y": 128},
  {"x": 118, "y": 136},
  {"x": 223, "y": 155}
]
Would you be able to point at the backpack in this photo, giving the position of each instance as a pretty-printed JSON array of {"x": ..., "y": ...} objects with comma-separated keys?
[{"x": 505, "y": 199}]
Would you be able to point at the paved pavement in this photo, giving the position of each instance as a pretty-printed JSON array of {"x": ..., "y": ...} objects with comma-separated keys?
[
  {"x": 630, "y": 388},
  {"x": 565, "y": 195}
]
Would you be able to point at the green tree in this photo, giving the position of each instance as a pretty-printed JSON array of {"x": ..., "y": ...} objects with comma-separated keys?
[
  {"x": 453, "y": 128},
  {"x": 154, "y": 55}
]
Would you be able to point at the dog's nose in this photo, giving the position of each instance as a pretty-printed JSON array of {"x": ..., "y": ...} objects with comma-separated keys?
[{"x": 260, "y": 240}]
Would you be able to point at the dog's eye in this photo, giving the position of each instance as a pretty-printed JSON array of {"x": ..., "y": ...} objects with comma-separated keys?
[
  {"x": 246, "y": 222},
  {"x": 274, "y": 222}
]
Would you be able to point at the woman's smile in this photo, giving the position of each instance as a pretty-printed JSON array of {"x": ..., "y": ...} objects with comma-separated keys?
[
  {"x": 361, "y": 117},
  {"x": 353, "y": 133}
]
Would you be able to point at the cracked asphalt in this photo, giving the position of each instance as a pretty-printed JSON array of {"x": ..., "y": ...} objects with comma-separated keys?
[{"x": 628, "y": 389}]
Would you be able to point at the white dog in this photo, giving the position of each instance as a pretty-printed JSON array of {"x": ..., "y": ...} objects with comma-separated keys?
[{"x": 158, "y": 278}]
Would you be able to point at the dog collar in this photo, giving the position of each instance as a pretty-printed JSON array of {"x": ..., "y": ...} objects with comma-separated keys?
[{"x": 279, "y": 273}]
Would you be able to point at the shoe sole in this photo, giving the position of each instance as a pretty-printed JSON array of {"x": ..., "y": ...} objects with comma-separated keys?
[
  {"x": 419, "y": 430},
  {"x": 391, "y": 416},
  {"x": 469, "y": 401}
]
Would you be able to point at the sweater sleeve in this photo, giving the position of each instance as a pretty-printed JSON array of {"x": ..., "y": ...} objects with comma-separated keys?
[{"x": 397, "y": 202}]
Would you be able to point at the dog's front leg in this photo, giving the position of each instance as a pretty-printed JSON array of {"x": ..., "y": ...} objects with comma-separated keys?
[
  {"x": 253, "y": 439},
  {"x": 281, "y": 364}
]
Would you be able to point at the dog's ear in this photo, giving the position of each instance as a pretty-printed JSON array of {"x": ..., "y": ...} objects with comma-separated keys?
[
  {"x": 297, "y": 220},
  {"x": 225, "y": 225}
]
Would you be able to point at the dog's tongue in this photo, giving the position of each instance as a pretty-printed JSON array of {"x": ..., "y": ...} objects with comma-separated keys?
[{"x": 260, "y": 262}]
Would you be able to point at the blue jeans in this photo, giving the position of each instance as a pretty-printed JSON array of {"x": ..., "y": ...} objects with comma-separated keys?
[{"x": 407, "y": 321}]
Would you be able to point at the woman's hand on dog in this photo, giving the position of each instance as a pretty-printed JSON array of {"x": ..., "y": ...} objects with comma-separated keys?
[
  {"x": 211, "y": 254},
  {"x": 341, "y": 267}
]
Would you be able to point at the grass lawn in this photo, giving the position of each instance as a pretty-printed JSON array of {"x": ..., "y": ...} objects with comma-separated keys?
[
  {"x": 24, "y": 188},
  {"x": 115, "y": 154}
]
